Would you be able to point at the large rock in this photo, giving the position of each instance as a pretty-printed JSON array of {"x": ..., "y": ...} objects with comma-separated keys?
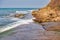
[{"x": 50, "y": 13}]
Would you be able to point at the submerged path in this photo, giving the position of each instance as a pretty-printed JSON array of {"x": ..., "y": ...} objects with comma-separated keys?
[{"x": 30, "y": 31}]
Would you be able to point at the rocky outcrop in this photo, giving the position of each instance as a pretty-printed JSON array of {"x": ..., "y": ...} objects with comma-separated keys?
[
  {"x": 19, "y": 15},
  {"x": 54, "y": 3},
  {"x": 50, "y": 13},
  {"x": 16, "y": 15}
]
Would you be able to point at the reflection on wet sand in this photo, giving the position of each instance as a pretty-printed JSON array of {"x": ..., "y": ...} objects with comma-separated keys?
[{"x": 32, "y": 31}]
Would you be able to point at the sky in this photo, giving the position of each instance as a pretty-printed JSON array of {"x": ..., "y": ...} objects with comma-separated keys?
[{"x": 23, "y": 3}]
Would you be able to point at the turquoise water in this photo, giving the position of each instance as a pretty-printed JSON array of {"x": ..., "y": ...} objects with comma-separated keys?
[
  {"x": 8, "y": 11},
  {"x": 18, "y": 9}
]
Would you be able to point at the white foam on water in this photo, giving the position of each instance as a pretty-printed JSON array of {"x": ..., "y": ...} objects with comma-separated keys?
[
  {"x": 15, "y": 24},
  {"x": 18, "y": 22},
  {"x": 25, "y": 12},
  {"x": 22, "y": 12}
]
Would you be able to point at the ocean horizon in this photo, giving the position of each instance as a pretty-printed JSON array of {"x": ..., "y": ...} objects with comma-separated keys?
[{"x": 18, "y": 8}]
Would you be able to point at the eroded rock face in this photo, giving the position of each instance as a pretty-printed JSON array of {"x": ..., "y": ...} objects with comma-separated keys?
[
  {"x": 54, "y": 3},
  {"x": 50, "y": 13}
]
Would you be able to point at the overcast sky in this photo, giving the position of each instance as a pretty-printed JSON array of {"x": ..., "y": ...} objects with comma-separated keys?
[{"x": 23, "y": 3}]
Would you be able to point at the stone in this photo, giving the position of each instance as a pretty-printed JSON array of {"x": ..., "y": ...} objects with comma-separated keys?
[{"x": 50, "y": 13}]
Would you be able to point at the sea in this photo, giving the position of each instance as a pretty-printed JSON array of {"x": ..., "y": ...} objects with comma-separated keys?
[{"x": 7, "y": 11}]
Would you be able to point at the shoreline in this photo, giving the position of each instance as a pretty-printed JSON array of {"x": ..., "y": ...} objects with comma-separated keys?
[
  {"x": 15, "y": 24},
  {"x": 19, "y": 22}
]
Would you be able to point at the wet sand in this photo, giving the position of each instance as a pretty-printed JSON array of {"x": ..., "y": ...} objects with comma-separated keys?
[{"x": 31, "y": 32}]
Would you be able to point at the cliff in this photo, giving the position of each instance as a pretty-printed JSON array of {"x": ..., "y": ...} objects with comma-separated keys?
[
  {"x": 50, "y": 13},
  {"x": 54, "y": 3}
]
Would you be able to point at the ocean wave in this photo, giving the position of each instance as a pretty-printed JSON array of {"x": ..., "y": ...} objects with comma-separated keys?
[
  {"x": 23, "y": 12},
  {"x": 6, "y": 21},
  {"x": 8, "y": 18},
  {"x": 15, "y": 24}
]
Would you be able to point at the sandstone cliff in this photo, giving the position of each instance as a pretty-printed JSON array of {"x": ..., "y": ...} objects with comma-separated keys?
[
  {"x": 50, "y": 13},
  {"x": 54, "y": 3}
]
